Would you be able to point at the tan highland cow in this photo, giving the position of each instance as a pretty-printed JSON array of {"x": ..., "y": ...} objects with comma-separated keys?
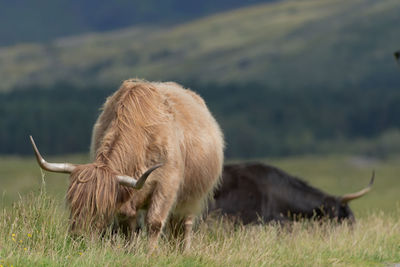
[{"x": 155, "y": 147}]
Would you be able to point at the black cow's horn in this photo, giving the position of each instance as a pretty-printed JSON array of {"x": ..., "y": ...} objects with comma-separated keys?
[
  {"x": 350, "y": 197},
  {"x": 132, "y": 182},
  {"x": 51, "y": 167}
]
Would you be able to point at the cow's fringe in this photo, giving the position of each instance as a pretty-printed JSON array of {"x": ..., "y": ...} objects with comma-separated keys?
[{"x": 92, "y": 196}]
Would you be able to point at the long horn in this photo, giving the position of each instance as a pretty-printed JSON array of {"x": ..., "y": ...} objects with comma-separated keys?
[
  {"x": 51, "y": 167},
  {"x": 136, "y": 184},
  {"x": 349, "y": 197}
]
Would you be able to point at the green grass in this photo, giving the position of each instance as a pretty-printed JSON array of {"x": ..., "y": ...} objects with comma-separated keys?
[
  {"x": 34, "y": 223},
  {"x": 34, "y": 233}
]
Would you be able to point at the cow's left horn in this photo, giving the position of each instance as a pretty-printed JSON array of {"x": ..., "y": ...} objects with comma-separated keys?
[
  {"x": 132, "y": 182},
  {"x": 52, "y": 167},
  {"x": 350, "y": 197}
]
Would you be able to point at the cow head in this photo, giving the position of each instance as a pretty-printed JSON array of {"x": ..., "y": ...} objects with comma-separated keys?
[
  {"x": 337, "y": 208},
  {"x": 95, "y": 191},
  {"x": 334, "y": 209}
]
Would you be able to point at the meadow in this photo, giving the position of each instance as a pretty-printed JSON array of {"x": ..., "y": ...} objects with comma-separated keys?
[{"x": 34, "y": 223}]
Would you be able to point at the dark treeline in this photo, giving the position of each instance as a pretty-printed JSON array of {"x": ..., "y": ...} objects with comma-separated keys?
[
  {"x": 257, "y": 121},
  {"x": 60, "y": 119}
]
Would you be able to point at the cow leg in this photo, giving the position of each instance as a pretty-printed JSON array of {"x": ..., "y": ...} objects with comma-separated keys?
[
  {"x": 128, "y": 220},
  {"x": 187, "y": 239},
  {"x": 160, "y": 206},
  {"x": 175, "y": 224},
  {"x": 132, "y": 225},
  {"x": 180, "y": 229}
]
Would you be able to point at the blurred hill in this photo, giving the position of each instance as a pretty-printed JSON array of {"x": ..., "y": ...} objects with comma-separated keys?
[
  {"x": 43, "y": 20},
  {"x": 285, "y": 45},
  {"x": 282, "y": 78}
]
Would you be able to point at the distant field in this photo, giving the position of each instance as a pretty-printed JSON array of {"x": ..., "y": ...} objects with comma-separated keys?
[
  {"x": 33, "y": 231},
  {"x": 21, "y": 175}
]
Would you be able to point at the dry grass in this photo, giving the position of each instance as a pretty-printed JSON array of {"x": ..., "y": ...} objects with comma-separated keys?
[{"x": 34, "y": 232}]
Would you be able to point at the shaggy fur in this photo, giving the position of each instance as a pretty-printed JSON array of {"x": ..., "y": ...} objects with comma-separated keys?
[
  {"x": 92, "y": 196},
  {"x": 143, "y": 124}
]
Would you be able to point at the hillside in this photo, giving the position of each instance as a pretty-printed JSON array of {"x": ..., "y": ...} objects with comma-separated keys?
[
  {"x": 287, "y": 44},
  {"x": 44, "y": 20}
]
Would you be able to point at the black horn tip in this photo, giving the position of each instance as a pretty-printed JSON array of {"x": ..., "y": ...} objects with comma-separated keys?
[
  {"x": 153, "y": 168},
  {"x": 371, "y": 182},
  {"x": 144, "y": 176}
]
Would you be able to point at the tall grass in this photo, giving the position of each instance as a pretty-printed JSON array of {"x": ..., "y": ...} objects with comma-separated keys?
[{"x": 34, "y": 232}]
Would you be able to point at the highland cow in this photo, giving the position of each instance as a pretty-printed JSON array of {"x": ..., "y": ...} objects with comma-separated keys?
[
  {"x": 258, "y": 193},
  {"x": 160, "y": 133}
]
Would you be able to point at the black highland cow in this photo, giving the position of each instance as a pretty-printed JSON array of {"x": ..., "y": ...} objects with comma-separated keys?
[{"x": 256, "y": 193}]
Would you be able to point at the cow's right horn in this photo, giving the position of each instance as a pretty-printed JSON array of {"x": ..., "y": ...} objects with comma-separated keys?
[
  {"x": 137, "y": 184},
  {"x": 51, "y": 167}
]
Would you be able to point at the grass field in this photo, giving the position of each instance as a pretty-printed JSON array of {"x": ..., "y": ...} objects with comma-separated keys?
[{"x": 34, "y": 230}]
